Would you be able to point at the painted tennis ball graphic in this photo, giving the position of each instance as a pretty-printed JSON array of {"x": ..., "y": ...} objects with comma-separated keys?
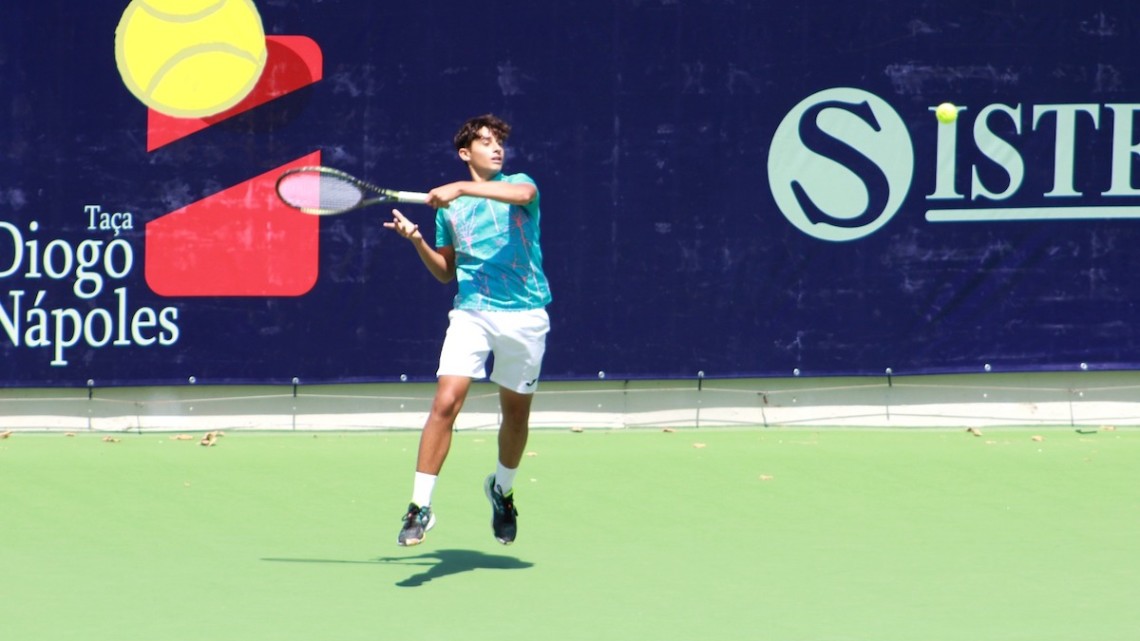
[{"x": 190, "y": 58}]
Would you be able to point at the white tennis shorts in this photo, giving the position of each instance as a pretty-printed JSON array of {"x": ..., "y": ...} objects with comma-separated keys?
[{"x": 516, "y": 338}]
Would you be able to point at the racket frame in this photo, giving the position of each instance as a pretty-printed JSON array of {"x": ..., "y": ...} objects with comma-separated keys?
[{"x": 372, "y": 194}]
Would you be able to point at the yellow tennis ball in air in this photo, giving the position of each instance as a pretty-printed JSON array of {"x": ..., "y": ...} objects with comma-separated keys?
[
  {"x": 946, "y": 113},
  {"x": 190, "y": 58}
]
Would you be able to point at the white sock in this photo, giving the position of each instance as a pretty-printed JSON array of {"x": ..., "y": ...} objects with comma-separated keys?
[
  {"x": 422, "y": 488},
  {"x": 505, "y": 478}
]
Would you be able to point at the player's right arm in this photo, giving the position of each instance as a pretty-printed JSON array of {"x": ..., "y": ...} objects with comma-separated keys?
[
  {"x": 441, "y": 262},
  {"x": 512, "y": 193}
]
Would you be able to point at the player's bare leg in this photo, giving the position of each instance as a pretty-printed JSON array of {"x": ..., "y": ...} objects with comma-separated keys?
[
  {"x": 435, "y": 442},
  {"x": 515, "y": 427},
  {"x": 499, "y": 486}
]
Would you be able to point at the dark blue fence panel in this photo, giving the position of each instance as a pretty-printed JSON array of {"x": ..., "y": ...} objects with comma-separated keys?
[{"x": 728, "y": 187}]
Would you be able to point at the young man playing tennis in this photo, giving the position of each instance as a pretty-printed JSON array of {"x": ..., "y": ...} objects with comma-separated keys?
[{"x": 486, "y": 239}]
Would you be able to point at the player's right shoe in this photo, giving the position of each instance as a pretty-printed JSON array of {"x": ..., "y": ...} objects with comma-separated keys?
[
  {"x": 503, "y": 512},
  {"x": 417, "y": 522}
]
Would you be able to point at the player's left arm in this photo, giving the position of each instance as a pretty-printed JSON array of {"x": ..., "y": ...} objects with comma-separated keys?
[{"x": 512, "y": 193}]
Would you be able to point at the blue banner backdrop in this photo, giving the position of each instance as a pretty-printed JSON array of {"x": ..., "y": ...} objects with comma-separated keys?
[{"x": 729, "y": 187}]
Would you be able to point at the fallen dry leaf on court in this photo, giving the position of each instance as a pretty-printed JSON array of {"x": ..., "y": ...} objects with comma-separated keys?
[
  {"x": 973, "y": 430},
  {"x": 110, "y": 439},
  {"x": 532, "y": 454},
  {"x": 1038, "y": 438},
  {"x": 699, "y": 445},
  {"x": 766, "y": 477},
  {"x": 69, "y": 434},
  {"x": 668, "y": 430},
  {"x": 181, "y": 437},
  {"x": 211, "y": 439},
  {"x": 576, "y": 429},
  {"x": 5, "y": 434},
  {"x": 1109, "y": 428}
]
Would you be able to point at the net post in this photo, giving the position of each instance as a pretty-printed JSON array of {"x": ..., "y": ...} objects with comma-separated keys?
[
  {"x": 90, "y": 403},
  {"x": 700, "y": 396}
]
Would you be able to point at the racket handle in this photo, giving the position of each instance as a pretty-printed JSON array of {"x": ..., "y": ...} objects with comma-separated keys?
[{"x": 411, "y": 197}]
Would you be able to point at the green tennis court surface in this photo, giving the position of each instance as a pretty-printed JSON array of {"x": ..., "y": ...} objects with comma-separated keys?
[{"x": 781, "y": 534}]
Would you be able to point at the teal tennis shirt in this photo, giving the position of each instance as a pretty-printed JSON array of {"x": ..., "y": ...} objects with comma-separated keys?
[{"x": 498, "y": 259}]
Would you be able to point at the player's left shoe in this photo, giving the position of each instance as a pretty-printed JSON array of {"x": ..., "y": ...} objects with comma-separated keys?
[
  {"x": 417, "y": 522},
  {"x": 503, "y": 513}
]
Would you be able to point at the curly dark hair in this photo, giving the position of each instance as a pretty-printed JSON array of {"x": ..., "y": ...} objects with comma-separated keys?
[{"x": 470, "y": 130}]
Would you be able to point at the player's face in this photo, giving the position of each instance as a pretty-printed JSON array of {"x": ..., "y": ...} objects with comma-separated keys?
[{"x": 485, "y": 154}]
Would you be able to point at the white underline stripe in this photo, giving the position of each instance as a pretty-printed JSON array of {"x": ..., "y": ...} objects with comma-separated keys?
[{"x": 1030, "y": 213}]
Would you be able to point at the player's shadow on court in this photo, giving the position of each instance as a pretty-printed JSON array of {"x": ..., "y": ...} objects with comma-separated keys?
[
  {"x": 438, "y": 564},
  {"x": 441, "y": 563}
]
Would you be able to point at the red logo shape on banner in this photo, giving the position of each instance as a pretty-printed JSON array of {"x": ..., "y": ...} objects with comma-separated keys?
[
  {"x": 242, "y": 241},
  {"x": 293, "y": 62}
]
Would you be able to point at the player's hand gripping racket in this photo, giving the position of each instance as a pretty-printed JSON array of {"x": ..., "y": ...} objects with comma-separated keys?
[{"x": 324, "y": 192}]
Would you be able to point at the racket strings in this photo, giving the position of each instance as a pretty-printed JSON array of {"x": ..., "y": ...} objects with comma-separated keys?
[{"x": 319, "y": 191}]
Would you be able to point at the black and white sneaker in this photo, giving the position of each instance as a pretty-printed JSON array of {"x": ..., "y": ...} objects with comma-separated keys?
[
  {"x": 417, "y": 522},
  {"x": 503, "y": 512}
]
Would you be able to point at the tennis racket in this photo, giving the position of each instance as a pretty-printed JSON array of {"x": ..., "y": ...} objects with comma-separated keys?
[{"x": 324, "y": 191}]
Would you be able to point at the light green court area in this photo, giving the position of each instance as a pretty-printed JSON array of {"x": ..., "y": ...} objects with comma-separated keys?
[{"x": 757, "y": 534}]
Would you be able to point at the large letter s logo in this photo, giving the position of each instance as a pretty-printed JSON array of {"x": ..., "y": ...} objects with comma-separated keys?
[{"x": 840, "y": 164}]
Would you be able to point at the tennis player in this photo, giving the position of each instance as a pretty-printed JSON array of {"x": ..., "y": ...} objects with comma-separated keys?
[{"x": 487, "y": 240}]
